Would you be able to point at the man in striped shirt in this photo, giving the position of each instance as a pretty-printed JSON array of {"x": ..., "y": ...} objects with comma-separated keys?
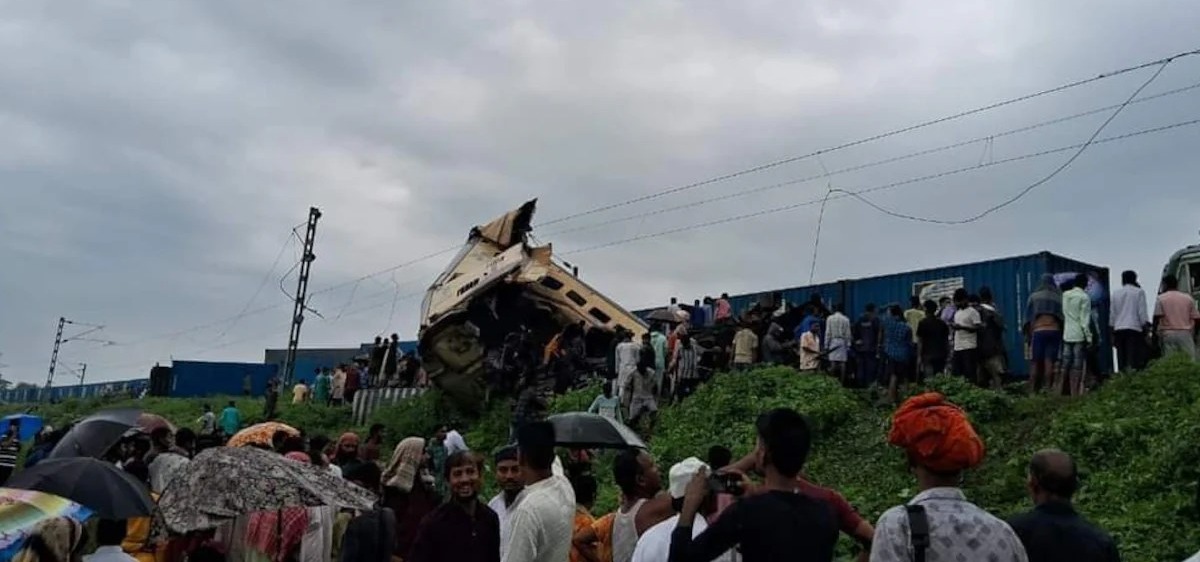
[
  {"x": 10, "y": 447},
  {"x": 684, "y": 367}
]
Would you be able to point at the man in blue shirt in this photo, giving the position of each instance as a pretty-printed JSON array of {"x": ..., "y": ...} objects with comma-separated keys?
[
  {"x": 897, "y": 350},
  {"x": 866, "y": 346},
  {"x": 231, "y": 419}
]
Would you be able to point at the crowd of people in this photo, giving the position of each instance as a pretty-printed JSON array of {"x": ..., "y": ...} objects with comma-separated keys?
[
  {"x": 758, "y": 508},
  {"x": 962, "y": 335},
  {"x": 762, "y": 507}
]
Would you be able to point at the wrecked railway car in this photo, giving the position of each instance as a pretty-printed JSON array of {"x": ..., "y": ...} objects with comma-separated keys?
[{"x": 500, "y": 287}]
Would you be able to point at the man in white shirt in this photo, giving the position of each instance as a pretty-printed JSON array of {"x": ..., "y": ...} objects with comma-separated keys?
[
  {"x": 1128, "y": 319},
  {"x": 838, "y": 338},
  {"x": 966, "y": 326},
  {"x": 109, "y": 534},
  {"x": 627, "y": 360},
  {"x": 655, "y": 544},
  {"x": 542, "y": 520},
  {"x": 508, "y": 478}
]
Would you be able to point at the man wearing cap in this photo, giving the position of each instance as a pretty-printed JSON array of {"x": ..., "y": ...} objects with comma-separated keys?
[
  {"x": 939, "y": 523},
  {"x": 655, "y": 544}
]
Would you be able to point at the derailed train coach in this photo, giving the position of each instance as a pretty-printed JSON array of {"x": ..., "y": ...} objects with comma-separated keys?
[
  {"x": 1011, "y": 280},
  {"x": 498, "y": 286}
]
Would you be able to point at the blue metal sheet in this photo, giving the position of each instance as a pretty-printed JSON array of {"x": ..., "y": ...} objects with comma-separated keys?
[
  {"x": 1010, "y": 279},
  {"x": 205, "y": 378}
]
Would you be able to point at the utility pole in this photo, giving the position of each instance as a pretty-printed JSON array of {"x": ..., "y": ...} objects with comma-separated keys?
[
  {"x": 54, "y": 356},
  {"x": 59, "y": 341},
  {"x": 82, "y": 374},
  {"x": 306, "y": 259}
]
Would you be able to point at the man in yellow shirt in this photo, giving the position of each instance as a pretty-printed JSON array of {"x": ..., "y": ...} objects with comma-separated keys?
[{"x": 745, "y": 348}]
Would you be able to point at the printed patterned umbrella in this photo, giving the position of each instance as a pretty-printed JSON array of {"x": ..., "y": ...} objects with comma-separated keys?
[
  {"x": 224, "y": 482},
  {"x": 21, "y": 510},
  {"x": 259, "y": 434}
]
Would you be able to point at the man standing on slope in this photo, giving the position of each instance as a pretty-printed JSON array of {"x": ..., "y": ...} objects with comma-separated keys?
[
  {"x": 1077, "y": 334},
  {"x": 1176, "y": 319},
  {"x": 1128, "y": 320},
  {"x": 939, "y": 523}
]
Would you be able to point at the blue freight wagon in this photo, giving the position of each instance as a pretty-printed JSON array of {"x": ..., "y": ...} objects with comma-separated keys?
[
  {"x": 128, "y": 388},
  {"x": 210, "y": 378},
  {"x": 1011, "y": 280}
]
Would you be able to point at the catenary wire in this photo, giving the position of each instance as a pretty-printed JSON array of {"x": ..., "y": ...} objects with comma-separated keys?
[
  {"x": 261, "y": 284},
  {"x": 868, "y": 165},
  {"x": 1028, "y": 189},
  {"x": 774, "y": 210},
  {"x": 873, "y": 138}
]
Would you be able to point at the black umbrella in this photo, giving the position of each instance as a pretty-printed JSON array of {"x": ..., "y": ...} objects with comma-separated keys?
[
  {"x": 593, "y": 431},
  {"x": 96, "y": 434},
  {"x": 92, "y": 483}
]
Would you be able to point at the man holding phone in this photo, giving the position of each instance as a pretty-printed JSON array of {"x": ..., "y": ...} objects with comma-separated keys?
[{"x": 781, "y": 523}]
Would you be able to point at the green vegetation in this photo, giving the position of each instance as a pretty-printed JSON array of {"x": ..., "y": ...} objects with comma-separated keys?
[{"x": 1137, "y": 441}]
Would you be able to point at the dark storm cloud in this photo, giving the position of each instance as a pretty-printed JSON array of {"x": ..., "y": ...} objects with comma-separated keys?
[{"x": 157, "y": 155}]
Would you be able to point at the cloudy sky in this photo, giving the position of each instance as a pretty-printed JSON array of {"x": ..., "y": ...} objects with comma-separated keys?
[{"x": 156, "y": 155}]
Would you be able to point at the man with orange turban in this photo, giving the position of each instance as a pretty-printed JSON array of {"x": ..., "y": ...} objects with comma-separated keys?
[{"x": 939, "y": 523}]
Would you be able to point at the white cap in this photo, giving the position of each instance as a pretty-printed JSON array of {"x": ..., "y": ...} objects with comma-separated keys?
[{"x": 682, "y": 473}]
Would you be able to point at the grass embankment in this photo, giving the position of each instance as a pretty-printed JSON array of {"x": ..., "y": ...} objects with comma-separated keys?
[{"x": 1137, "y": 442}]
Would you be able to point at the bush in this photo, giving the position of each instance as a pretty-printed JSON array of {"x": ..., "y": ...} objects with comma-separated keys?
[{"x": 723, "y": 411}]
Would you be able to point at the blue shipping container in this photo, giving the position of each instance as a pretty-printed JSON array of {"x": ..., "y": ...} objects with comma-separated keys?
[
  {"x": 206, "y": 378},
  {"x": 1011, "y": 280}
]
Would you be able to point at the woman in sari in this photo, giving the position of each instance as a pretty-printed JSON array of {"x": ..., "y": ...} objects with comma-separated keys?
[{"x": 408, "y": 492}]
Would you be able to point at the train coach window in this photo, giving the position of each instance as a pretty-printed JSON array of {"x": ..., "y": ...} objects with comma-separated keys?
[
  {"x": 552, "y": 283},
  {"x": 576, "y": 298},
  {"x": 600, "y": 315}
]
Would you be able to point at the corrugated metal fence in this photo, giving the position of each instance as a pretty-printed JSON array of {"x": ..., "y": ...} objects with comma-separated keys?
[{"x": 368, "y": 400}]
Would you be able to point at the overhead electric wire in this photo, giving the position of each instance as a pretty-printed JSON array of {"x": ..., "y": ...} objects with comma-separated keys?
[
  {"x": 812, "y": 269},
  {"x": 261, "y": 284},
  {"x": 1067, "y": 163},
  {"x": 268, "y": 308},
  {"x": 873, "y": 138},
  {"x": 892, "y": 185},
  {"x": 876, "y": 163}
]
